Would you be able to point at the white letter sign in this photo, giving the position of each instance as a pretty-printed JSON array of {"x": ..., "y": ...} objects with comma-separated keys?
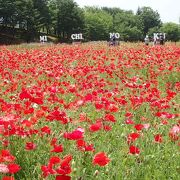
[
  {"x": 77, "y": 36},
  {"x": 116, "y": 35},
  {"x": 43, "y": 39}
]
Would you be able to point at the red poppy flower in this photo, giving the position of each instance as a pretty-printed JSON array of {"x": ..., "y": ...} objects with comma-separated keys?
[
  {"x": 66, "y": 160},
  {"x": 134, "y": 150},
  {"x": 132, "y": 137},
  {"x": 158, "y": 138},
  {"x": 54, "y": 160},
  {"x": 6, "y": 156},
  {"x": 46, "y": 130},
  {"x": 13, "y": 168},
  {"x": 24, "y": 95},
  {"x": 30, "y": 146},
  {"x": 76, "y": 134},
  {"x": 101, "y": 159},
  {"x": 47, "y": 170},
  {"x": 37, "y": 100},
  {"x": 98, "y": 106},
  {"x": 83, "y": 146},
  {"x": 57, "y": 148},
  {"x": 63, "y": 177},
  {"x": 107, "y": 128},
  {"x": 113, "y": 108},
  {"x": 139, "y": 127},
  {"x": 128, "y": 114},
  {"x": 95, "y": 127},
  {"x": 8, "y": 178},
  {"x": 65, "y": 167},
  {"x": 110, "y": 117},
  {"x": 53, "y": 141}
]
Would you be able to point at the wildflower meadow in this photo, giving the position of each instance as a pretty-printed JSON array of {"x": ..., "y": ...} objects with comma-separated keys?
[{"x": 90, "y": 111}]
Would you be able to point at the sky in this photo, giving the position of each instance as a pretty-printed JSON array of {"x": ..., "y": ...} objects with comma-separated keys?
[{"x": 169, "y": 10}]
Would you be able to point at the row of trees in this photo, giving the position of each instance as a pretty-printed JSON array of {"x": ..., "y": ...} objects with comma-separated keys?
[{"x": 61, "y": 18}]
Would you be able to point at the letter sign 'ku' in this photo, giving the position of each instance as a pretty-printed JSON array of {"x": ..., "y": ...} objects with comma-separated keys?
[
  {"x": 77, "y": 36},
  {"x": 156, "y": 35},
  {"x": 116, "y": 35},
  {"x": 159, "y": 38}
]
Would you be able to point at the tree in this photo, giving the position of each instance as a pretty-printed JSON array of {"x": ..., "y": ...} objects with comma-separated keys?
[
  {"x": 63, "y": 18},
  {"x": 172, "y": 31},
  {"x": 32, "y": 16},
  {"x": 7, "y": 12},
  {"x": 43, "y": 19},
  {"x": 70, "y": 18},
  {"x": 113, "y": 12},
  {"x": 153, "y": 30},
  {"x": 53, "y": 11},
  {"x": 149, "y": 18},
  {"x": 27, "y": 18},
  {"x": 98, "y": 24},
  {"x": 128, "y": 25}
]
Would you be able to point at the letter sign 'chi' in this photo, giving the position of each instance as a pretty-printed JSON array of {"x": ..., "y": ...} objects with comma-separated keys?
[{"x": 77, "y": 36}]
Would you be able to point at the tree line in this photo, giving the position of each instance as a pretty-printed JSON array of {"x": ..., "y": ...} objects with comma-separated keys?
[{"x": 61, "y": 18}]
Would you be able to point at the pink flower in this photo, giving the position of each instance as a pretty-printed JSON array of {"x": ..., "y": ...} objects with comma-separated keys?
[{"x": 4, "y": 168}]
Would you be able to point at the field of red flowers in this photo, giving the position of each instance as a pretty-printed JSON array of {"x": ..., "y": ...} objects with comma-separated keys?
[{"x": 89, "y": 111}]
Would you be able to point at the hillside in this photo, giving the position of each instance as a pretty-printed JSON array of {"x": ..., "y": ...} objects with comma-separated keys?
[{"x": 9, "y": 35}]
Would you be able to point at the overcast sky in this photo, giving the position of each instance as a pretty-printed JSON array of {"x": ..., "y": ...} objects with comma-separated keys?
[{"x": 169, "y": 10}]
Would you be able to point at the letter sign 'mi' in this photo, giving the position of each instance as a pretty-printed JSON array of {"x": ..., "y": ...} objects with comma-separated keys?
[{"x": 43, "y": 38}]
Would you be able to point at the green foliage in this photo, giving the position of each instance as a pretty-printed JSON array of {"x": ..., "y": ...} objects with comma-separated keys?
[
  {"x": 98, "y": 24},
  {"x": 172, "y": 31},
  {"x": 43, "y": 18},
  {"x": 7, "y": 12},
  {"x": 155, "y": 29},
  {"x": 61, "y": 18},
  {"x": 128, "y": 25},
  {"x": 69, "y": 18},
  {"x": 53, "y": 10},
  {"x": 149, "y": 18}
]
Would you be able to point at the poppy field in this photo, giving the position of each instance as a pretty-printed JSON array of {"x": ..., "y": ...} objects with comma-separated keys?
[{"x": 90, "y": 111}]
